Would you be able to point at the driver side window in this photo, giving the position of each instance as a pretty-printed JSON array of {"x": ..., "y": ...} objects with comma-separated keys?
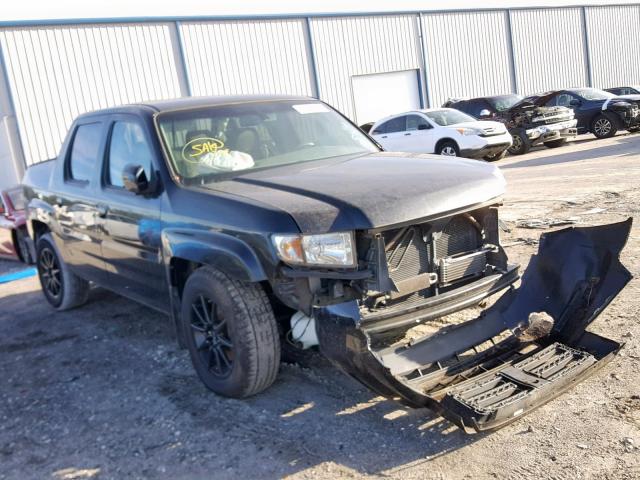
[{"x": 128, "y": 145}]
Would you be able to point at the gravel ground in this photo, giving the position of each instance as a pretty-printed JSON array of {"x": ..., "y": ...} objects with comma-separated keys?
[{"x": 103, "y": 391}]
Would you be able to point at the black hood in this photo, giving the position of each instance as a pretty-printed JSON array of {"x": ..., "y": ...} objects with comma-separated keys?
[{"x": 368, "y": 191}]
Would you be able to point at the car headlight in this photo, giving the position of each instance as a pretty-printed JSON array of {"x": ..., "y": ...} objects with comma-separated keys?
[
  {"x": 327, "y": 249},
  {"x": 469, "y": 131}
]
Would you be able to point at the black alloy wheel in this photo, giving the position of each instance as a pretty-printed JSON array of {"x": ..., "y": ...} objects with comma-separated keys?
[
  {"x": 50, "y": 275},
  {"x": 211, "y": 337}
]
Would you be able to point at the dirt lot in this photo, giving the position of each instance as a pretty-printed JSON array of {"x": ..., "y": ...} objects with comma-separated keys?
[{"x": 103, "y": 392}]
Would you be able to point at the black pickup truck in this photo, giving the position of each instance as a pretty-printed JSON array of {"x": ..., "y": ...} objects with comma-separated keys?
[
  {"x": 529, "y": 123},
  {"x": 254, "y": 221}
]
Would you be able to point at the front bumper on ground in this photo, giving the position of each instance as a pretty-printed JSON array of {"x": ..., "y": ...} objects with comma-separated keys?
[
  {"x": 550, "y": 133},
  {"x": 479, "y": 374},
  {"x": 486, "y": 151}
]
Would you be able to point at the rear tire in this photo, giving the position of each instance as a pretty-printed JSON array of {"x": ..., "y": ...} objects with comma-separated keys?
[
  {"x": 521, "y": 144},
  {"x": 603, "y": 126},
  {"x": 448, "y": 148},
  {"x": 555, "y": 143},
  {"x": 496, "y": 157},
  {"x": 22, "y": 246},
  {"x": 62, "y": 288},
  {"x": 231, "y": 333}
]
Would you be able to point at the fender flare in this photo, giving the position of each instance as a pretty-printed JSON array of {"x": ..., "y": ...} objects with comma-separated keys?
[{"x": 224, "y": 252}]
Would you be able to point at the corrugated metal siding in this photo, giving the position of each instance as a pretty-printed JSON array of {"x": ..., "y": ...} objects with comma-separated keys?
[
  {"x": 614, "y": 41},
  {"x": 345, "y": 47},
  {"x": 59, "y": 72},
  {"x": 549, "y": 49},
  {"x": 467, "y": 55},
  {"x": 246, "y": 57}
]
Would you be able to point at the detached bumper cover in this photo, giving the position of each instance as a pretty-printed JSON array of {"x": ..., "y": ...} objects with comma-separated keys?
[
  {"x": 547, "y": 133},
  {"x": 478, "y": 374}
]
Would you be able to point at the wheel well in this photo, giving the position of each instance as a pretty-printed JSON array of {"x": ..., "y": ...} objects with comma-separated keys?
[
  {"x": 444, "y": 140},
  {"x": 180, "y": 269},
  {"x": 39, "y": 229}
]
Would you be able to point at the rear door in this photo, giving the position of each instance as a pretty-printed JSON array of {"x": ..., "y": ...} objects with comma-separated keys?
[
  {"x": 77, "y": 235},
  {"x": 391, "y": 134},
  {"x": 131, "y": 244}
]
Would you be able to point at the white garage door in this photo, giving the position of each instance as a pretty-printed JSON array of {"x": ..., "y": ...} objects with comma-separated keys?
[{"x": 381, "y": 94}]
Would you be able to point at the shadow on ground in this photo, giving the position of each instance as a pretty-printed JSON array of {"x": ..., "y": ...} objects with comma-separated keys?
[{"x": 111, "y": 370}]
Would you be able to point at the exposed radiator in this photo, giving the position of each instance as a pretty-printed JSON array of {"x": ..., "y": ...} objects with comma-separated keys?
[{"x": 457, "y": 268}]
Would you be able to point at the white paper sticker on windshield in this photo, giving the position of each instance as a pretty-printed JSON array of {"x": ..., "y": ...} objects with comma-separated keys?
[{"x": 305, "y": 108}]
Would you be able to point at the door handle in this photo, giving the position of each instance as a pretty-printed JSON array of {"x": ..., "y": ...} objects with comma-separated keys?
[
  {"x": 384, "y": 136},
  {"x": 407, "y": 134},
  {"x": 102, "y": 210}
]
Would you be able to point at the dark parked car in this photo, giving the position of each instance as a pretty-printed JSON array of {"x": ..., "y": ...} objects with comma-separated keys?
[
  {"x": 251, "y": 220},
  {"x": 597, "y": 111},
  {"x": 530, "y": 124},
  {"x": 629, "y": 90},
  {"x": 13, "y": 231}
]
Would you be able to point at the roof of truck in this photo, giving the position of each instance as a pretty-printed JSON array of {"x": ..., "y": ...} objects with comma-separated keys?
[{"x": 195, "y": 102}]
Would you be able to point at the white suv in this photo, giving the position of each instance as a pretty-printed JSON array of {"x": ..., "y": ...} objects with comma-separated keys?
[{"x": 444, "y": 131}]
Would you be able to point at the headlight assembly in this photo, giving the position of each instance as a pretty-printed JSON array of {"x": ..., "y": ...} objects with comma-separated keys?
[
  {"x": 469, "y": 131},
  {"x": 326, "y": 250}
]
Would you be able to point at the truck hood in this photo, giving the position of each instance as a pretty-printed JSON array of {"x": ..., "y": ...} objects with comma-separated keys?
[{"x": 369, "y": 191}]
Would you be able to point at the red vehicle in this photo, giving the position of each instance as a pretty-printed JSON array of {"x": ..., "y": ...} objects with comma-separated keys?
[{"x": 13, "y": 231}]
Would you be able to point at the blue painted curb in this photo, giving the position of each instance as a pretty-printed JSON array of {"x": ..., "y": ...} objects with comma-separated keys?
[{"x": 29, "y": 272}]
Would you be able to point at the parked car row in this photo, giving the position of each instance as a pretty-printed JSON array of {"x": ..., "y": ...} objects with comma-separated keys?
[{"x": 492, "y": 125}]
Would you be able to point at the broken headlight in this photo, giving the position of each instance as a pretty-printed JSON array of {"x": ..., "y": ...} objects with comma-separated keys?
[{"x": 328, "y": 249}]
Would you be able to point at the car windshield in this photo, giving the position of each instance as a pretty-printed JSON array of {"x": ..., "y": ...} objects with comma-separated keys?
[
  {"x": 218, "y": 142},
  {"x": 593, "y": 94},
  {"x": 502, "y": 103},
  {"x": 444, "y": 118}
]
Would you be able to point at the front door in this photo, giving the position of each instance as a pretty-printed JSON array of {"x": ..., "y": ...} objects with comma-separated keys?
[{"x": 131, "y": 244}]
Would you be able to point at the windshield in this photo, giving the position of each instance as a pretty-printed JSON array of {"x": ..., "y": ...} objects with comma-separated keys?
[
  {"x": 593, "y": 94},
  {"x": 502, "y": 103},
  {"x": 444, "y": 118},
  {"x": 206, "y": 144}
]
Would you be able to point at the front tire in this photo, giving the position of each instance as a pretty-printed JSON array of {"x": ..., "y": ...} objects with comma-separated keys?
[
  {"x": 62, "y": 288},
  {"x": 603, "y": 126},
  {"x": 521, "y": 144},
  {"x": 231, "y": 333},
  {"x": 555, "y": 143},
  {"x": 448, "y": 148}
]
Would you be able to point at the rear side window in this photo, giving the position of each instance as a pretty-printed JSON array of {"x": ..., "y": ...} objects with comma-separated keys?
[
  {"x": 84, "y": 151},
  {"x": 397, "y": 124},
  {"x": 128, "y": 146}
]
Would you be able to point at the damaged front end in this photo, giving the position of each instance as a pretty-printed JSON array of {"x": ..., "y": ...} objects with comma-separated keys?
[{"x": 521, "y": 352}]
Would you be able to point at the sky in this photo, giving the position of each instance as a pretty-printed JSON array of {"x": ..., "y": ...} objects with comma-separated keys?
[{"x": 30, "y": 10}]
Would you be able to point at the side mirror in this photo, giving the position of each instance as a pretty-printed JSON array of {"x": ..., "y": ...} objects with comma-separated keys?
[
  {"x": 135, "y": 179},
  {"x": 423, "y": 126},
  {"x": 485, "y": 113},
  {"x": 574, "y": 102}
]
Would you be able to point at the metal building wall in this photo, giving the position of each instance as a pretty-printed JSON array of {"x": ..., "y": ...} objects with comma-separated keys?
[
  {"x": 56, "y": 73},
  {"x": 348, "y": 46},
  {"x": 549, "y": 49},
  {"x": 614, "y": 42},
  {"x": 467, "y": 54},
  {"x": 246, "y": 57}
]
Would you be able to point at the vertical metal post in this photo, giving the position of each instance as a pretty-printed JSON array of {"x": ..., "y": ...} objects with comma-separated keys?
[
  {"x": 587, "y": 47},
  {"x": 425, "y": 94},
  {"x": 177, "y": 48},
  {"x": 311, "y": 58},
  {"x": 9, "y": 123},
  {"x": 512, "y": 57}
]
